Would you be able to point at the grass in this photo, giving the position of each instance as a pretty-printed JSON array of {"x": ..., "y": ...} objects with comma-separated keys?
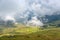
[
  {"x": 21, "y": 32},
  {"x": 45, "y": 34},
  {"x": 27, "y": 30}
]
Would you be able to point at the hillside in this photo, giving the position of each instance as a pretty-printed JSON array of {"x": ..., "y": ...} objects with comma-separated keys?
[
  {"x": 23, "y": 32},
  {"x": 42, "y": 34}
]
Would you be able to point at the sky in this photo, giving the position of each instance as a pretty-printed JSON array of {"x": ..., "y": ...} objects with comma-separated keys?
[
  {"x": 11, "y": 7},
  {"x": 42, "y": 7}
]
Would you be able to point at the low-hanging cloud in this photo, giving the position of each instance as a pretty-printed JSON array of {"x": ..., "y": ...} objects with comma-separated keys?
[{"x": 42, "y": 7}]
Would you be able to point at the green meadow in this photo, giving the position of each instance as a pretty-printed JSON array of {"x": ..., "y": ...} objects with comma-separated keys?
[{"x": 22, "y": 32}]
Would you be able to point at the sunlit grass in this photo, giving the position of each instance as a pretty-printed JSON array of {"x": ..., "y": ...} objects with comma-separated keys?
[
  {"x": 46, "y": 34},
  {"x": 22, "y": 32},
  {"x": 28, "y": 30}
]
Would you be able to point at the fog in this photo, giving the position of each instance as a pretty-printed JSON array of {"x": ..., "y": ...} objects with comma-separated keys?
[{"x": 39, "y": 7}]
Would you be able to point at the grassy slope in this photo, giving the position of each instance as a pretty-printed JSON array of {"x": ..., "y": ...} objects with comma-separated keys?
[
  {"x": 31, "y": 33},
  {"x": 46, "y": 34}
]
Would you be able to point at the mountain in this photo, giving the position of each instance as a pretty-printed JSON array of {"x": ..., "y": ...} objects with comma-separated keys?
[
  {"x": 28, "y": 15},
  {"x": 43, "y": 10}
]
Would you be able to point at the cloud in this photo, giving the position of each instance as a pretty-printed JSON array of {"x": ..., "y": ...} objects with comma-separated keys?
[
  {"x": 22, "y": 8},
  {"x": 11, "y": 6},
  {"x": 45, "y": 7},
  {"x": 42, "y": 7},
  {"x": 35, "y": 22}
]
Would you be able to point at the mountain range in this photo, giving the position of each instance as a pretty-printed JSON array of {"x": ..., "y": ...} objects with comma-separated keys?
[{"x": 27, "y": 16}]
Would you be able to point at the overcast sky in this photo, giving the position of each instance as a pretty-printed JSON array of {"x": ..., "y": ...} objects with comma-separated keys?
[{"x": 43, "y": 7}]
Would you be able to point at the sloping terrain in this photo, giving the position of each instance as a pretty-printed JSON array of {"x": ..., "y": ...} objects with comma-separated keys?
[
  {"x": 45, "y": 34},
  {"x": 23, "y": 32}
]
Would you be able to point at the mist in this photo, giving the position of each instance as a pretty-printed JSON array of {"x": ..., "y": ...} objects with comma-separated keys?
[
  {"x": 43, "y": 7},
  {"x": 38, "y": 7}
]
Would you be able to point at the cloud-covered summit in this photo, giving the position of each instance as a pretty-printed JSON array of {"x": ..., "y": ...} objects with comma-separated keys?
[{"x": 24, "y": 10}]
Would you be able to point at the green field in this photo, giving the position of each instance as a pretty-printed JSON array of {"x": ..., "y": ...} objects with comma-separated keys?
[
  {"x": 23, "y": 32},
  {"x": 30, "y": 33}
]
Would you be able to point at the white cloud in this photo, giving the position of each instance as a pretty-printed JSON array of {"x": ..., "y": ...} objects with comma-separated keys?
[
  {"x": 42, "y": 7},
  {"x": 39, "y": 7},
  {"x": 11, "y": 6},
  {"x": 45, "y": 7},
  {"x": 35, "y": 22}
]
